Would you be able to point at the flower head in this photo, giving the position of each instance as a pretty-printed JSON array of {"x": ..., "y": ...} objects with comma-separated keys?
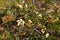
[
  {"x": 42, "y": 30},
  {"x": 47, "y": 35},
  {"x": 26, "y": 5},
  {"x": 21, "y": 6},
  {"x": 23, "y": 2},
  {"x": 20, "y": 22},
  {"x": 36, "y": 12},
  {"x": 40, "y": 15}
]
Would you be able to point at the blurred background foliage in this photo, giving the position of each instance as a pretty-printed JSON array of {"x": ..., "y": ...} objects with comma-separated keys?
[{"x": 29, "y": 19}]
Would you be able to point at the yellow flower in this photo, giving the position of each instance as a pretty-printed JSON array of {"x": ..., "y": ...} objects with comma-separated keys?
[
  {"x": 23, "y": 2},
  {"x": 56, "y": 19},
  {"x": 55, "y": 5},
  {"x": 47, "y": 35},
  {"x": 29, "y": 23},
  {"x": 50, "y": 10},
  {"x": 40, "y": 15},
  {"x": 20, "y": 22},
  {"x": 21, "y": 6},
  {"x": 26, "y": 5},
  {"x": 18, "y": 5},
  {"x": 42, "y": 30},
  {"x": 36, "y": 12}
]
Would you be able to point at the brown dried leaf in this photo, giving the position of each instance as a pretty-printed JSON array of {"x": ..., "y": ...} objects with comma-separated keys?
[{"x": 7, "y": 18}]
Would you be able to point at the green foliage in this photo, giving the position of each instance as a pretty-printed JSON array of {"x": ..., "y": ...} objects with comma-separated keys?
[{"x": 29, "y": 20}]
